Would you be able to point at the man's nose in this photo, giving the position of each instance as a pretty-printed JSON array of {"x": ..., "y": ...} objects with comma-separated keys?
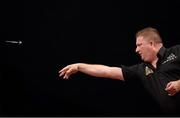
[{"x": 137, "y": 50}]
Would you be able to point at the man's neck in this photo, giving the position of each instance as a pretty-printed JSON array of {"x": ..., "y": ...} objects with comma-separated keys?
[{"x": 154, "y": 63}]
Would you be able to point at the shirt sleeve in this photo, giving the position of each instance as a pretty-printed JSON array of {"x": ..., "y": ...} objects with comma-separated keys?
[{"x": 130, "y": 72}]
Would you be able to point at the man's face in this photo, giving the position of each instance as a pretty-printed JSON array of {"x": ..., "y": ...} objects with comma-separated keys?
[{"x": 145, "y": 49}]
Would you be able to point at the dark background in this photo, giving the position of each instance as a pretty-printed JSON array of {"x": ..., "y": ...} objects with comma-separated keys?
[{"x": 57, "y": 33}]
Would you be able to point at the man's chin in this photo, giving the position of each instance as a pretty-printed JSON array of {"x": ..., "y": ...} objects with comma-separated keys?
[{"x": 143, "y": 59}]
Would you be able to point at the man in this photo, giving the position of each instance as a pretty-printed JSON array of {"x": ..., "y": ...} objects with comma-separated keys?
[{"x": 159, "y": 72}]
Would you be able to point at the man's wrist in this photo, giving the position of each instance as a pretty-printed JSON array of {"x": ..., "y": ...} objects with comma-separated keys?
[{"x": 78, "y": 66}]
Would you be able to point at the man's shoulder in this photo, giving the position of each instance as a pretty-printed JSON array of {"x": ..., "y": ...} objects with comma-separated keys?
[{"x": 175, "y": 48}]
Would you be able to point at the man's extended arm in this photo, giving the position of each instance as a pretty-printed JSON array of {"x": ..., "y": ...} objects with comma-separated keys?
[{"x": 93, "y": 70}]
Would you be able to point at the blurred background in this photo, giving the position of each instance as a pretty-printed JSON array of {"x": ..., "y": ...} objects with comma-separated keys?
[{"x": 56, "y": 33}]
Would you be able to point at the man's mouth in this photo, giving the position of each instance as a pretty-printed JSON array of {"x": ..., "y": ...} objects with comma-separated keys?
[{"x": 141, "y": 55}]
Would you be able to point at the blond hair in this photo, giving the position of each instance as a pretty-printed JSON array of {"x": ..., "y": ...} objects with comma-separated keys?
[{"x": 150, "y": 34}]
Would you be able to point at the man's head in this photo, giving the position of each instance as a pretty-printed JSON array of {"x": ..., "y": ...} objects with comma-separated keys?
[{"x": 148, "y": 43}]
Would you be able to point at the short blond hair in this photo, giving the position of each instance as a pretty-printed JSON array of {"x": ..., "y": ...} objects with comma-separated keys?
[{"x": 150, "y": 34}]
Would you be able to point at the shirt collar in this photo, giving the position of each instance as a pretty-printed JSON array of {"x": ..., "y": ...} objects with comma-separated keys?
[{"x": 161, "y": 52}]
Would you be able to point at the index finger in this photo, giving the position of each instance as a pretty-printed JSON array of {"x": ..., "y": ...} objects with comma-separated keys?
[
  {"x": 64, "y": 69},
  {"x": 168, "y": 86}
]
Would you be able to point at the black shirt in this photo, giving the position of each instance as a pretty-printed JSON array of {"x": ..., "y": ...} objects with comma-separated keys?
[{"x": 155, "y": 80}]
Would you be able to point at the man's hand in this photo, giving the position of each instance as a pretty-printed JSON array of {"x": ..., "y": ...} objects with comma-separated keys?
[
  {"x": 68, "y": 70},
  {"x": 95, "y": 70},
  {"x": 173, "y": 87}
]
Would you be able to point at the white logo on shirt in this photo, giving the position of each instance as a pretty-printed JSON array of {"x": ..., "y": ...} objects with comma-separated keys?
[{"x": 170, "y": 58}]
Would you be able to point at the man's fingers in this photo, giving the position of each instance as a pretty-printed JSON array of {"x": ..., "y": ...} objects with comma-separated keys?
[
  {"x": 67, "y": 73},
  {"x": 171, "y": 93},
  {"x": 171, "y": 90},
  {"x": 65, "y": 76},
  {"x": 64, "y": 69},
  {"x": 62, "y": 73},
  {"x": 168, "y": 85}
]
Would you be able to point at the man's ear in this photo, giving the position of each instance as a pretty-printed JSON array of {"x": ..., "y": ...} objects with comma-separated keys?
[{"x": 152, "y": 43}]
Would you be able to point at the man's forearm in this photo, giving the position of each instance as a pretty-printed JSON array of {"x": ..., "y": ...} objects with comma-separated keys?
[{"x": 101, "y": 71}]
